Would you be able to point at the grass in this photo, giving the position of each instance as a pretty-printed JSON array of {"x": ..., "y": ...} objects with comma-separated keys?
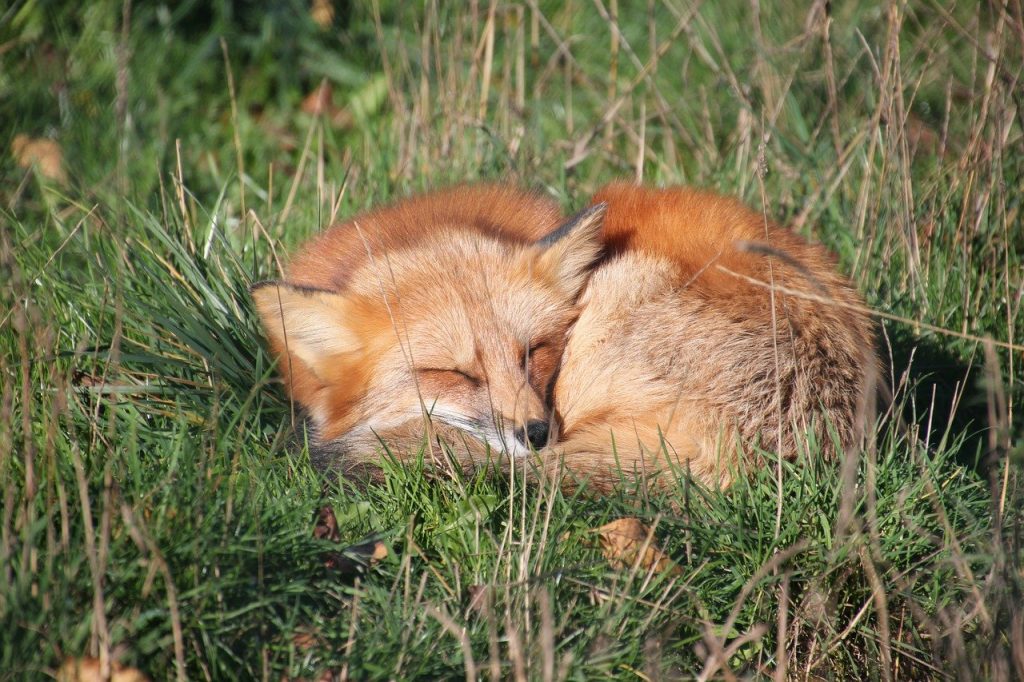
[{"x": 156, "y": 508}]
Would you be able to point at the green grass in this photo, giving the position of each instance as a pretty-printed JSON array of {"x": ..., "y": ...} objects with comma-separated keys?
[{"x": 155, "y": 504}]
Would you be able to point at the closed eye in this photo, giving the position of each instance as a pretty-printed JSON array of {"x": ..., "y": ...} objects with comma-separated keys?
[
  {"x": 534, "y": 348},
  {"x": 475, "y": 380}
]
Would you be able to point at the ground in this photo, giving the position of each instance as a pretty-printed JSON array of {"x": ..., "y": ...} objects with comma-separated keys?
[{"x": 157, "y": 510}]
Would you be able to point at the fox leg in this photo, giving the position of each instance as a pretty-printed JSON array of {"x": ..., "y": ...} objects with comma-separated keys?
[{"x": 602, "y": 457}]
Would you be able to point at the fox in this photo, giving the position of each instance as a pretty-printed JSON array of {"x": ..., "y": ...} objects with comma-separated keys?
[
  {"x": 445, "y": 313},
  {"x": 655, "y": 330}
]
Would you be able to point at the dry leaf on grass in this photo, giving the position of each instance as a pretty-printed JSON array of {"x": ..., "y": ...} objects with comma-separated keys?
[
  {"x": 307, "y": 638},
  {"x": 306, "y": 641},
  {"x": 320, "y": 102},
  {"x": 352, "y": 560},
  {"x": 326, "y": 527},
  {"x": 322, "y": 12},
  {"x": 622, "y": 542},
  {"x": 88, "y": 670},
  {"x": 45, "y": 155}
]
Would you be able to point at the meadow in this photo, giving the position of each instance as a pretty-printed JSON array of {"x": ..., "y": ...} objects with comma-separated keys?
[{"x": 156, "y": 507}]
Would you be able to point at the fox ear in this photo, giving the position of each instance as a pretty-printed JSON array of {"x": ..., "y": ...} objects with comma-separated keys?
[
  {"x": 309, "y": 324},
  {"x": 569, "y": 251}
]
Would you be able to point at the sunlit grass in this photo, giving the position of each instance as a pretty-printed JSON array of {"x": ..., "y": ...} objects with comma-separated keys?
[{"x": 156, "y": 498}]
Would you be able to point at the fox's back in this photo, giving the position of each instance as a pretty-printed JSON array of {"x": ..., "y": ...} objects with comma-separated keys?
[
  {"x": 706, "y": 319},
  {"x": 716, "y": 244},
  {"x": 503, "y": 211}
]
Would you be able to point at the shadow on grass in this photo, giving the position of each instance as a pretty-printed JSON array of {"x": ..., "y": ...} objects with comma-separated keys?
[{"x": 945, "y": 393}]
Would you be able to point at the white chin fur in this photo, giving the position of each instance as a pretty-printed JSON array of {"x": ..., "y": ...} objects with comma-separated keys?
[
  {"x": 507, "y": 444},
  {"x": 499, "y": 442}
]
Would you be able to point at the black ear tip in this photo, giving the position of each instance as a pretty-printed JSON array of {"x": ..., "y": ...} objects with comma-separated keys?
[
  {"x": 590, "y": 214},
  {"x": 596, "y": 211}
]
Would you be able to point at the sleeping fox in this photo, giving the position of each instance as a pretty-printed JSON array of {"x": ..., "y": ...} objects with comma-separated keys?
[
  {"x": 656, "y": 329},
  {"x": 448, "y": 311}
]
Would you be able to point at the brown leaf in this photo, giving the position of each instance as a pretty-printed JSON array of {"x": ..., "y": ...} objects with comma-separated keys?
[
  {"x": 322, "y": 12},
  {"x": 326, "y": 525},
  {"x": 87, "y": 669},
  {"x": 45, "y": 155},
  {"x": 624, "y": 543},
  {"x": 353, "y": 559},
  {"x": 320, "y": 102},
  {"x": 307, "y": 638}
]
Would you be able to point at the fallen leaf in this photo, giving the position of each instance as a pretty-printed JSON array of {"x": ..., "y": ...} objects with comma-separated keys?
[
  {"x": 306, "y": 639},
  {"x": 624, "y": 543},
  {"x": 88, "y": 670},
  {"x": 322, "y": 13},
  {"x": 320, "y": 102},
  {"x": 44, "y": 154},
  {"x": 326, "y": 525},
  {"x": 353, "y": 559}
]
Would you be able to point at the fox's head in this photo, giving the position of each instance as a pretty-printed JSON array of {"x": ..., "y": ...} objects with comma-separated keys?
[{"x": 463, "y": 326}]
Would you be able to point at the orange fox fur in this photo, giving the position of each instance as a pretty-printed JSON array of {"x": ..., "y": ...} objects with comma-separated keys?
[
  {"x": 680, "y": 331},
  {"x": 703, "y": 330},
  {"x": 451, "y": 305}
]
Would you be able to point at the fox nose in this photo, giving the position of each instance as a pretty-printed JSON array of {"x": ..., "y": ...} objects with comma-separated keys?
[{"x": 535, "y": 433}]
